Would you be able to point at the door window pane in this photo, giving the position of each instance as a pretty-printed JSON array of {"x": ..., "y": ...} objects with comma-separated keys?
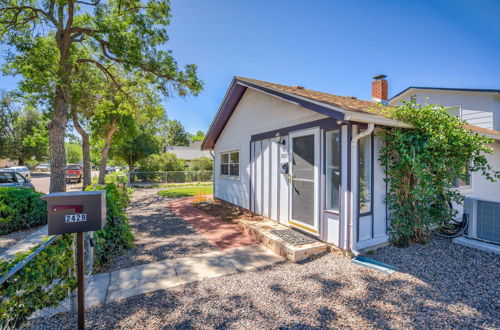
[
  {"x": 365, "y": 174},
  {"x": 332, "y": 170},
  {"x": 303, "y": 179}
]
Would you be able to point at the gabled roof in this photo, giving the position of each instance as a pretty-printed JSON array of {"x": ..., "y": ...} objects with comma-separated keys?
[
  {"x": 474, "y": 90},
  {"x": 344, "y": 108}
]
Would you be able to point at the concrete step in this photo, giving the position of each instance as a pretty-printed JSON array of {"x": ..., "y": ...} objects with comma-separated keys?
[{"x": 262, "y": 232}]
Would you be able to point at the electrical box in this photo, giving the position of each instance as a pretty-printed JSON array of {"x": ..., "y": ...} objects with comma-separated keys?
[{"x": 75, "y": 211}]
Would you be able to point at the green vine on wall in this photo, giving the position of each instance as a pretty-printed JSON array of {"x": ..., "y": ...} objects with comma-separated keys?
[{"x": 422, "y": 165}]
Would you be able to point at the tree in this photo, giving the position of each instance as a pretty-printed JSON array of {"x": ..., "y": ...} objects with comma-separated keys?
[
  {"x": 73, "y": 152},
  {"x": 134, "y": 144},
  {"x": 130, "y": 34},
  {"x": 22, "y": 132},
  {"x": 163, "y": 162},
  {"x": 139, "y": 103},
  {"x": 198, "y": 136},
  {"x": 176, "y": 134}
]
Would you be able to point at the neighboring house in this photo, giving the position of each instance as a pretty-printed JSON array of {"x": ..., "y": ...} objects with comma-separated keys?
[
  {"x": 264, "y": 132},
  {"x": 188, "y": 153}
]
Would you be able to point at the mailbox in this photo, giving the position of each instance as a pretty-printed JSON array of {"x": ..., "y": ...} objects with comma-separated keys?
[{"x": 73, "y": 212}]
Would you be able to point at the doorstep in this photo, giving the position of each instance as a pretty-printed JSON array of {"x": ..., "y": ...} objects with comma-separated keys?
[{"x": 262, "y": 232}]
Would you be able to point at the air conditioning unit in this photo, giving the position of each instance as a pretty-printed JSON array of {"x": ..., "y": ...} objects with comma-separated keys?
[{"x": 484, "y": 219}]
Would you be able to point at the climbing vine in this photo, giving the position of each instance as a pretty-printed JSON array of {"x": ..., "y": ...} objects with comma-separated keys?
[{"x": 422, "y": 165}]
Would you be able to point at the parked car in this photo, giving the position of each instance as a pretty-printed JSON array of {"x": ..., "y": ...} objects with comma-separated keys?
[
  {"x": 74, "y": 173},
  {"x": 112, "y": 169},
  {"x": 23, "y": 170},
  {"x": 42, "y": 168},
  {"x": 14, "y": 180}
]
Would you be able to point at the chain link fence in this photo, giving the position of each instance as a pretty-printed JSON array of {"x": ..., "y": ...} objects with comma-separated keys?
[{"x": 150, "y": 178}]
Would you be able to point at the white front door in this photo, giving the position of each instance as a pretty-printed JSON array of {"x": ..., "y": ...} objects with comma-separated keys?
[{"x": 304, "y": 151}]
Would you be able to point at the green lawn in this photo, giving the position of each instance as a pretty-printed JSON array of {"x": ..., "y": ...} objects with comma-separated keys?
[{"x": 185, "y": 192}]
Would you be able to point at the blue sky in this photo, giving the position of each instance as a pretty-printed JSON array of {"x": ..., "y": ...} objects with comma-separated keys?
[{"x": 331, "y": 46}]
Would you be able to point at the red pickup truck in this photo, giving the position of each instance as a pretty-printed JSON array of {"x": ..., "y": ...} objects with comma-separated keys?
[{"x": 74, "y": 173}]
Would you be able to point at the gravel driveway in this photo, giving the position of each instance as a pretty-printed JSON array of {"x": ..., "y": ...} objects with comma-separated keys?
[
  {"x": 159, "y": 234},
  {"x": 442, "y": 285}
]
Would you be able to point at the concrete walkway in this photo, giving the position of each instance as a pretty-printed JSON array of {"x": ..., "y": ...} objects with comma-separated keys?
[
  {"x": 168, "y": 273},
  {"x": 25, "y": 244},
  {"x": 218, "y": 232}
]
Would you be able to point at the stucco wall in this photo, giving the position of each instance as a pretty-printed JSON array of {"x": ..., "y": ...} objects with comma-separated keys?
[{"x": 256, "y": 113}]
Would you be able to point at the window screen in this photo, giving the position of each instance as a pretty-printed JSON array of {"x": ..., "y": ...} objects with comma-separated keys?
[
  {"x": 365, "y": 174},
  {"x": 332, "y": 170}
]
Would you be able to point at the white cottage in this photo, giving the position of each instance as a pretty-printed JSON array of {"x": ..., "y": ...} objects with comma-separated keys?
[{"x": 309, "y": 159}]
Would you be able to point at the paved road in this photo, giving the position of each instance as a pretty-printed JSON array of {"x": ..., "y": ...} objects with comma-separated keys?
[{"x": 41, "y": 181}]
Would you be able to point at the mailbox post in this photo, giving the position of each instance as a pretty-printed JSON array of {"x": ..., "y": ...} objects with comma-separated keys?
[{"x": 76, "y": 212}]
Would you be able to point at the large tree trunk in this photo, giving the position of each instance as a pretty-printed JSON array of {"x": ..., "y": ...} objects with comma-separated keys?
[
  {"x": 105, "y": 151},
  {"x": 57, "y": 129},
  {"x": 87, "y": 169},
  {"x": 57, "y": 126}
]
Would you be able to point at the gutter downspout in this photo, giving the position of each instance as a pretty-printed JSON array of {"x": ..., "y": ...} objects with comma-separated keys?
[{"x": 354, "y": 176}]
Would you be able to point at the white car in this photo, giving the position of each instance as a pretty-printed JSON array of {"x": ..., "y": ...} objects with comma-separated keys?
[
  {"x": 19, "y": 169},
  {"x": 42, "y": 168}
]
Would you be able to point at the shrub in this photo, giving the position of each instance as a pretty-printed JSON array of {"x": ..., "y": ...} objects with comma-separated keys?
[
  {"x": 43, "y": 282},
  {"x": 201, "y": 164},
  {"x": 161, "y": 163},
  {"x": 116, "y": 236},
  {"x": 21, "y": 208},
  {"x": 422, "y": 164}
]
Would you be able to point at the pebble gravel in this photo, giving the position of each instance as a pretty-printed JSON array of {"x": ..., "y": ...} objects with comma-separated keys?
[
  {"x": 159, "y": 234},
  {"x": 440, "y": 286}
]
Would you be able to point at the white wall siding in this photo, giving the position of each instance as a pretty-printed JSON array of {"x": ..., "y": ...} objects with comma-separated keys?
[
  {"x": 256, "y": 113},
  {"x": 480, "y": 109}
]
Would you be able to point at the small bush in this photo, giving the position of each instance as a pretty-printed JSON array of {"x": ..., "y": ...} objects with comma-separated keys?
[
  {"x": 201, "y": 164},
  {"x": 43, "y": 282},
  {"x": 21, "y": 208},
  {"x": 161, "y": 163},
  {"x": 117, "y": 234},
  {"x": 185, "y": 192}
]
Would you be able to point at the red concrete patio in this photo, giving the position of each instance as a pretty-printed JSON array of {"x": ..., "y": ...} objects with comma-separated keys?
[{"x": 218, "y": 232}]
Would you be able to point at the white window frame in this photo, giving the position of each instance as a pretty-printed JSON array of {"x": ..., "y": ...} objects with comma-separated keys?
[{"x": 228, "y": 175}]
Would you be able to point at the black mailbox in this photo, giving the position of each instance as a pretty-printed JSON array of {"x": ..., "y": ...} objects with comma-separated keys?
[{"x": 76, "y": 211}]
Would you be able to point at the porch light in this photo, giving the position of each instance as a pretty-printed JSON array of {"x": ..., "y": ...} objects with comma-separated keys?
[{"x": 280, "y": 139}]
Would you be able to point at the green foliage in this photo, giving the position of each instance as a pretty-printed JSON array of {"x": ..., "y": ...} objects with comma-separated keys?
[
  {"x": 198, "y": 136},
  {"x": 23, "y": 134},
  {"x": 134, "y": 143},
  {"x": 161, "y": 163},
  {"x": 73, "y": 153},
  {"x": 422, "y": 164},
  {"x": 117, "y": 234},
  {"x": 21, "y": 208},
  {"x": 176, "y": 134},
  {"x": 201, "y": 164},
  {"x": 42, "y": 282},
  {"x": 185, "y": 192}
]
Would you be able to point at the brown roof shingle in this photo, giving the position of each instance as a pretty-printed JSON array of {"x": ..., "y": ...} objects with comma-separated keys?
[{"x": 344, "y": 102}]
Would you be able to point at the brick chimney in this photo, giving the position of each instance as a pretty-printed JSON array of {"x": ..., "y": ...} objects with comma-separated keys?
[{"x": 380, "y": 89}]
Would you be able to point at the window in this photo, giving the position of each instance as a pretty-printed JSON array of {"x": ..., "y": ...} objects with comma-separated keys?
[
  {"x": 465, "y": 181},
  {"x": 365, "y": 174},
  {"x": 230, "y": 163},
  {"x": 7, "y": 177},
  {"x": 20, "y": 178},
  {"x": 332, "y": 170}
]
